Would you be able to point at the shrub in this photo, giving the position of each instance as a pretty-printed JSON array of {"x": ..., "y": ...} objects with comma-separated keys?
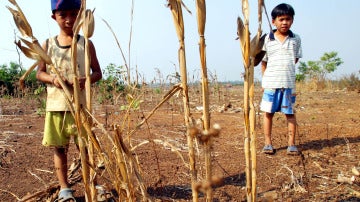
[
  {"x": 350, "y": 82},
  {"x": 9, "y": 78}
]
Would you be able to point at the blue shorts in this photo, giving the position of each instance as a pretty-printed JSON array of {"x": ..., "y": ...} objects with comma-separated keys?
[{"x": 278, "y": 100}]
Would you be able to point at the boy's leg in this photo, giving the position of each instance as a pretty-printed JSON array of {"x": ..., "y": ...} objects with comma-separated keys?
[
  {"x": 291, "y": 118},
  {"x": 268, "y": 127},
  {"x": 60, "y": 161}
]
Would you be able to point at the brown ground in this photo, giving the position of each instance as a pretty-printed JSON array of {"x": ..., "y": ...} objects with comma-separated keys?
[{"x": 328, "y": 136}]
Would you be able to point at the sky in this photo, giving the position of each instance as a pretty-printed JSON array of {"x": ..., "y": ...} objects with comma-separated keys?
[{"x": 323, "y": 25}]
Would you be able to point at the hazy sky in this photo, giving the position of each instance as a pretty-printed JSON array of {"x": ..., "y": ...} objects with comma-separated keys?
[{"x": 323, "y": 25}]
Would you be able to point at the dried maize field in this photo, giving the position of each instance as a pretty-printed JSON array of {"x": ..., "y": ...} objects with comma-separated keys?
[{"x": 328, "y": 136}]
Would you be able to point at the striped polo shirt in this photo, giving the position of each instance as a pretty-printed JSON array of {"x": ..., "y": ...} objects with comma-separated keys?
[{"x": 280, "y": 58}]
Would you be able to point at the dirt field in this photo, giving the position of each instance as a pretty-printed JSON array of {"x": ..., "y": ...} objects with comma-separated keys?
[{"x": 328, "y": 136}]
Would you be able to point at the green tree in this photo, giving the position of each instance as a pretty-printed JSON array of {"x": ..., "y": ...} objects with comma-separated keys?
[
  {"x": 9, "y": 78},
  {"x": 319, "y": 69},
  {"x": 112, "y": 83}
]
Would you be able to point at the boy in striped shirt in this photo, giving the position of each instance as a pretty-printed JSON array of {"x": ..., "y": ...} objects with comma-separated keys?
[{"x": 283, "y": 50}]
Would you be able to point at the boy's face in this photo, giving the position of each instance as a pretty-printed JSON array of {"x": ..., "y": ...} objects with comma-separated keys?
[
  {"x": 283, "y": 23},
  {"x": 65, "y": 19}
]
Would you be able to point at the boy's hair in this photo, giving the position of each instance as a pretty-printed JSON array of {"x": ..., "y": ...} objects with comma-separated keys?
[
  {"x": 65, "y": 5},
  {"x": 282, "y": 9}
]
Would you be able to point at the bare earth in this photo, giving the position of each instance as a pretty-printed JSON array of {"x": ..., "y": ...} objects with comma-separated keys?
[{"x": 328, "y": 136}]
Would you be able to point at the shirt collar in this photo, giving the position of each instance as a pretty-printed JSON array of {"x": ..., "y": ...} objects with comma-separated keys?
[{"x": 272, "y": 37}]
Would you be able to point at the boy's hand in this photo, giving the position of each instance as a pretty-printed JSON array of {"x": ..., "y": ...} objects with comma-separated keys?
[
  {"x": 56, "y": 81},
  {"x": 81, "y": 82}
]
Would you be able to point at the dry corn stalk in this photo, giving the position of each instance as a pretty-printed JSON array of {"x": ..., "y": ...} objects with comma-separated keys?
[
  {"x": 245, "y": 49},
  {"x": 88, "y": 27},
  {"x": 176, "y": 10},
  {"x": 244, "y": 35},
  {"x": 121, "y": 181},
  {"x": 134, "y": 165},
  {"x": 255, "y": 51},
  {"x": 88, "y": 30},
  {"x": 83, "y": 140},
  {"x": 23, "y": 77},
  {"x": 88, "y": 142},
  {"x": 252, "y": 55},
  {"x": 201, "y": 20}
]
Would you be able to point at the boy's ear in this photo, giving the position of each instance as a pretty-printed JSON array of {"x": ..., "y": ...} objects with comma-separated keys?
[{"x": 53, "y": 16}]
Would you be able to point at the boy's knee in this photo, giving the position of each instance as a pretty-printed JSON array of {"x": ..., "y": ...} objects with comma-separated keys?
[
  {"x": 291, "y": 117},
  {"x": 269, "y": 115},
  {"x": 61, "y": 150}
]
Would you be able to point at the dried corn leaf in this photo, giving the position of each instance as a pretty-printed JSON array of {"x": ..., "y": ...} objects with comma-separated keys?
[
  {"x": 241, "y": 34},
  {"x": 175, "y": 7},
  {"x": 186, "y": 8},
  {"x": 28, "y": 52},
  {"x": 22, "y": 78},
  {"x": 256, "y": 50},
  {"x": 35, "y": 47},
  {"x": 89, "y": 24},
  {"x": 20, "y": 20},
  {"x": 20, "y": 23}
]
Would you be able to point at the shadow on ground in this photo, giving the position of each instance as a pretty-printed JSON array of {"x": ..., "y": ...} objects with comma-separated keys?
[
  {"x": 321, "y": 144},
  {"x": 184, "y": 191}
]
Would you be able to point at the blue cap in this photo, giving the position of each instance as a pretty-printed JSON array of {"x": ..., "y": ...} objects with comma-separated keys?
[{"x": 65, "y": 4}]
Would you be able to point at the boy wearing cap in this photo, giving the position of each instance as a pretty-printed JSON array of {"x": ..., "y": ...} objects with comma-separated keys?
[{"x": 59, "y": 122}]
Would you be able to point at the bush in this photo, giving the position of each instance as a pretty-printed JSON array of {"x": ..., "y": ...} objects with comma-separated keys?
[
  {"x": 351, "y": 82},
  {"x": 112, "y": 84},
  {"x": 9, "y": 80}
]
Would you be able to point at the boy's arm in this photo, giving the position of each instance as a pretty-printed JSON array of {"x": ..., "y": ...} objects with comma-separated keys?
[
  {"x": 41, "y": 73},
  {"x": 96, "y": 73},
  {"x": 263, "y": 67}
]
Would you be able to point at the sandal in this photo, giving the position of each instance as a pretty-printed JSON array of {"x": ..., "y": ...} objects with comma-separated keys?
[
  {"x": 65, "y": 195},
  {"x": 268, "y": 149},
  {"x": 292, "y": 150},
  {"x": 104, "y": 195}
]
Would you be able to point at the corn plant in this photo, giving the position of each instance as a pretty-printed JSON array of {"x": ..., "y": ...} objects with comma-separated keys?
[
  {"x": 201, "y": 20},
  {"x": 251, "y": 51},
  {"x": 176, "y": 10}
]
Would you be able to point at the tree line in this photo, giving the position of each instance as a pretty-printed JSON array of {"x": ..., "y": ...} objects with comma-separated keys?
[{"x": 113, "y": 80}]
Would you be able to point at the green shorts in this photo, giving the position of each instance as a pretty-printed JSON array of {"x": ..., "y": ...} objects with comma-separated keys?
[{"x": 59, "y": 128}]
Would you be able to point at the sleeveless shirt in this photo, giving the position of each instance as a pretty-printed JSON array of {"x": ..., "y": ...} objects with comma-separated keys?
[{"x": 61, "y": 58}]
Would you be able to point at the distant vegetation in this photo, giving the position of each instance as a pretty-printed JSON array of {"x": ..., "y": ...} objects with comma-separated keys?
[
  {"x": 317, "y": 72},
  {"x": 9, "y": 80},
  {"x": 112, "y": 84}
]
